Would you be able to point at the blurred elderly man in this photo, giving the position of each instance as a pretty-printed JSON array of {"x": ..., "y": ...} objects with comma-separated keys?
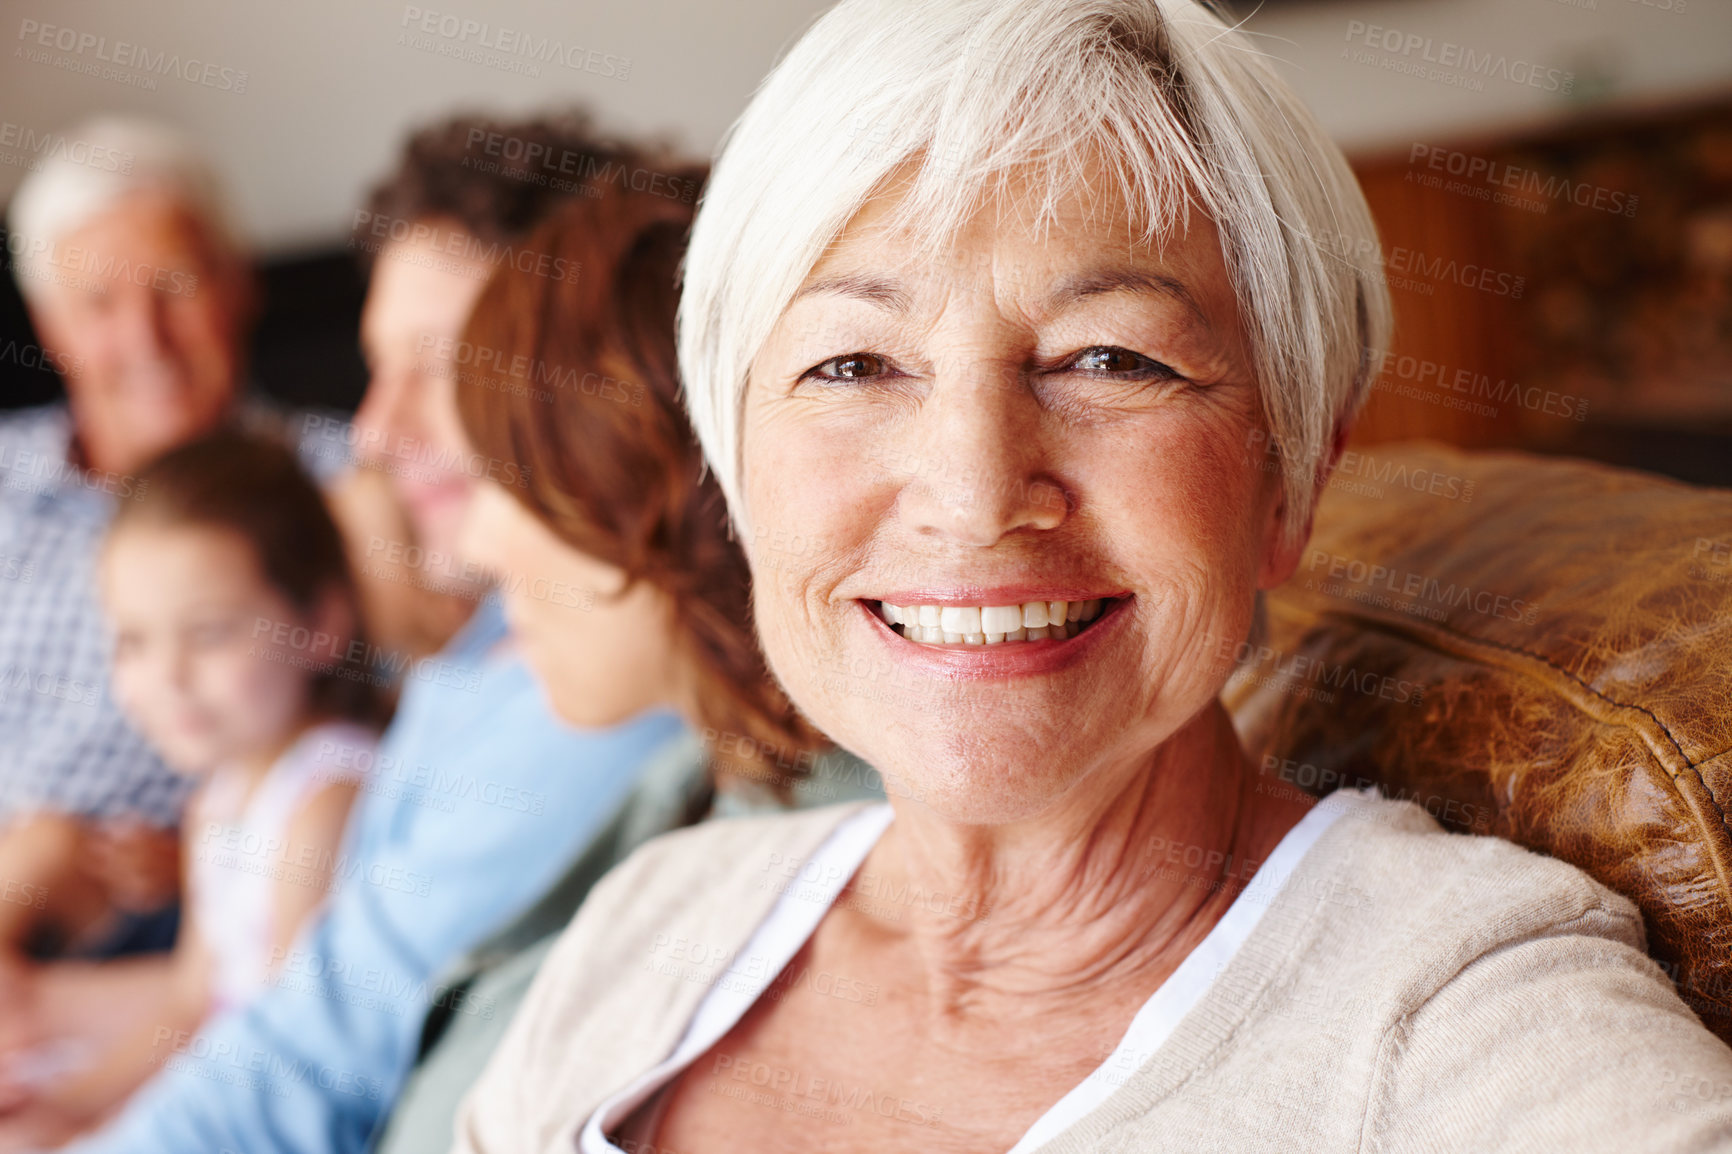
[{"x": 132, "y": 275}]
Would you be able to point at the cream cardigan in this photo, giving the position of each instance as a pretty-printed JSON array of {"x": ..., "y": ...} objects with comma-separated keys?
[{"x": 1406, "y": 990}]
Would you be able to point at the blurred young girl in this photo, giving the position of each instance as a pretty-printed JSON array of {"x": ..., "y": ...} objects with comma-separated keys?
[{"x": 233, "y": 616}]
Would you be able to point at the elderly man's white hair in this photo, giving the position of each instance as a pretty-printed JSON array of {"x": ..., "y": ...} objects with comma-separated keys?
[
  {"x": 64, "y": 193},
  {"x": 1179, "y": 107}
]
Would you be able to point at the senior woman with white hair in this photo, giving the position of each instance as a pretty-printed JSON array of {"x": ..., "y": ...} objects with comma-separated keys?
[{"x": 983, "y": 305}]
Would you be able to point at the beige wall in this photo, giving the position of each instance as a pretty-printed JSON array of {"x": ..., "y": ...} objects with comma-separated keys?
[
  {"x": 1624, "y": 52},
  {"x": 330, "y": 90}
]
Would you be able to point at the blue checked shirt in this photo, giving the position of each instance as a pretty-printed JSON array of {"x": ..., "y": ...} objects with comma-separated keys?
[{"x": 64, "y": 745}]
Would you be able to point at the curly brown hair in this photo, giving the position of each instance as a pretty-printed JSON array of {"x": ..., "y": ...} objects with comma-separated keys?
[
  {"x": 497, "y": 179},
  {"x": 579, "y": 385}
]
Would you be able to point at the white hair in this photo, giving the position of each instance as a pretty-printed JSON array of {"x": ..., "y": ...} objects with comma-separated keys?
[
  {"x": 104, "y": 160},
  {"x": 1178, "y": 106}
]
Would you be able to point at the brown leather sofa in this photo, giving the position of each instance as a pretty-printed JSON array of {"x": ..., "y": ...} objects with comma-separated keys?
[{"x": 1534, "y": 648}]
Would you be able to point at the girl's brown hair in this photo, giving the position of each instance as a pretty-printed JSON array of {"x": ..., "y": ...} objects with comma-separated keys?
[
  {"x": 572, "y": 376},
  {"x": 253, "y": 485}
]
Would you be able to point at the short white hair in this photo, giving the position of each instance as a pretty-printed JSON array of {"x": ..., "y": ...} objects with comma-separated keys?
[
  {"x": 106, "y": 159},
  {"x": 1180, "y": 107}
]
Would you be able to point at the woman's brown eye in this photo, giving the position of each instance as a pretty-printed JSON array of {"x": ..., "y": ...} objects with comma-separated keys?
[
  {"x": 852, "y": 367},
  {"x": 1109, "y": 360}
]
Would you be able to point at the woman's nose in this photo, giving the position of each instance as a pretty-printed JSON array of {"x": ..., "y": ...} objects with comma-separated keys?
[
  {"x": 976, "y": 458},
  {"x": 475, "y": 533},
  {"x": 383, "y": 418}
]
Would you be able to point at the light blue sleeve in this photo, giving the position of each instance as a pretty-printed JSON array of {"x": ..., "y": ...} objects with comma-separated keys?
[{"x": 477, "y": 802}]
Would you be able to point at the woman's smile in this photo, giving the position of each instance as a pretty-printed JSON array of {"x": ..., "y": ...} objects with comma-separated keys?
[
  {"x": 1041, "y": 619},
  {"x": 973, "y": 655}
]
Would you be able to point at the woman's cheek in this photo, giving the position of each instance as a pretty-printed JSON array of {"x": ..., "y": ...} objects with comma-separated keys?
[{"x": 774, "y": 594}]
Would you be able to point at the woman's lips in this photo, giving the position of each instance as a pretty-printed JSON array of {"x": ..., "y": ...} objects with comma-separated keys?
[
  {"x": 966, "y": 661},
  {"x": 433, "y": 494}
]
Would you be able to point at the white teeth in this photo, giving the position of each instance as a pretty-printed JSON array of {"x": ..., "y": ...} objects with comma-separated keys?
[
  {"x": 991, "y": 624},
  {"x": 960, "y": 619}
]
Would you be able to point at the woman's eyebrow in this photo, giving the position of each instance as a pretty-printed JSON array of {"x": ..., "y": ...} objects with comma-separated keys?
[
  {"x": 1078, "y": 288},
  {"x": 888, "y": 294},
  {"x": 874, "y": 290}
]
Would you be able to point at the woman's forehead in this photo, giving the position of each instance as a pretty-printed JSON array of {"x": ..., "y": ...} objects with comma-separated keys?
[
  {"x": 1029, "y": 215},
  {"x": 1088, "y": 245}
]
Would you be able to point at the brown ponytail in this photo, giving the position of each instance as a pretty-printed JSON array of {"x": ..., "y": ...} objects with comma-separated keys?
[{"x": 574, "y": 378}]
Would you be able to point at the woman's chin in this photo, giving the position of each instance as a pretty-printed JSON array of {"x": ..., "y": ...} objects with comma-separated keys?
[{"x": 583, "y": 710}]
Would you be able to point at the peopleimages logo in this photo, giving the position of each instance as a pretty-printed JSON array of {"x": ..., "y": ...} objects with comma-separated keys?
[
  {"x": 1400, "y": 264},
  {"x": 1446, "y": 61},
  {"x": 1418, "y": 593},
  {"x": 39, "y": 358},
  {"x": 47, "y": 472},
  {"x": 1447, "y": 378},
  {"x": 370, "y": 232},
  {"x": 15, "y": 678},
  {"x": 85, "y": 269},
  {"x": 34, "y": 147},
  {"x": 123, "y": 54},
  {"x": 1521, "y": 181},
  {"x": 484, "y": 43},
  {"x": 580, "y": 165}
]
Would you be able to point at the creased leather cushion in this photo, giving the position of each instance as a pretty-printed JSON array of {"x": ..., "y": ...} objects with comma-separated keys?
[{"x": 1535, "y": 648}]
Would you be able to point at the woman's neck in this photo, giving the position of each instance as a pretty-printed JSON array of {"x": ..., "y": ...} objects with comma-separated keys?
[{"x": 1108, "y": 894}]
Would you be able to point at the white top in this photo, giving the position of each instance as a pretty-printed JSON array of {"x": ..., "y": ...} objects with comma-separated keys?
[
  {"x": 242, "y": 851},
  {"x": 798, "y": 911}
]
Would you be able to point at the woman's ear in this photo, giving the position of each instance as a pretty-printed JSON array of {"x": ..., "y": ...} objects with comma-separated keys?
[
  {"x": 334, "y": 615},
  {"x": 1282, "y": 551}
]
